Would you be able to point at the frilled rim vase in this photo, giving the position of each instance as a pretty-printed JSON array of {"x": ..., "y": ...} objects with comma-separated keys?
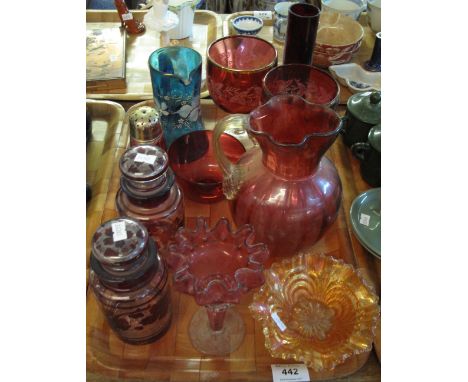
[{"x": 216, "y": 266}]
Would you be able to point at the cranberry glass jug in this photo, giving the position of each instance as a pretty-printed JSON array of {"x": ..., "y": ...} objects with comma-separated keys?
[{"x": 284, "y": 187}]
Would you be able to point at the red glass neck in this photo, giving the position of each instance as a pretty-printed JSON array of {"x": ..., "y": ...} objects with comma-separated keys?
[
  {"x": 293, "y": 134},
  {"x": 294, "y": 162}
]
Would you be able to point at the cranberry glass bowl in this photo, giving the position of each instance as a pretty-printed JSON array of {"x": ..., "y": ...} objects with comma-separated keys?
[
  {"x": 216, "y": 266},
  {"x": 236, "y": 66},
  {"x": 312, "y": 84},
  {"x": 192, "y": 159},
  {"x": 316, "y": 309}
]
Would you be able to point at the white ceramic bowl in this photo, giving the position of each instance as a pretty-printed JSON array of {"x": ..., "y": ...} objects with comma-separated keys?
[
  {"x": 355, "y": 77},
  {"x": 248, "y": 25},
  {"x": 351, "y": 8},
  {"x": 373, "y": 14}
]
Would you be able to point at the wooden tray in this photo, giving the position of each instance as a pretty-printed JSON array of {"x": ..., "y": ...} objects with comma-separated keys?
[
  {"x": 207, "y": 28},
  {"x": 173, "y": 358},
  {"x": 363, "y": 54},
  {"x": 108, "y": 135}
]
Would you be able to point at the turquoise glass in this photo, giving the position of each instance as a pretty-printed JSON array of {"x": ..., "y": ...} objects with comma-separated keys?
[{"x": 176, "y": 80}]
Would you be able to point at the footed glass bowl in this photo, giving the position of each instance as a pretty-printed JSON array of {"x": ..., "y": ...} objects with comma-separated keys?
[
  {"x": 216, "y": 266},
  {"x": 317, "y": 310}
]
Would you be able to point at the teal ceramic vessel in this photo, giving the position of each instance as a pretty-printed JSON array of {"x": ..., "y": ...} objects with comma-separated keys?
[
  {"x": 369, "y": 155},
  {"x": 176, "y": 73},
  {"x": 365, "y": 220},
  {"x": 362, "y": 113}
]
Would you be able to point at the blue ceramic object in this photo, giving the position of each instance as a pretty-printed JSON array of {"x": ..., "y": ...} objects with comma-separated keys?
[
  {"x": 373, "y": 65},
  {"x": 280, "y": 20},
  {"x": 366, "y": 220},
  {"x": 176, "y": 80},
  {"x": 247, "y": 25}
]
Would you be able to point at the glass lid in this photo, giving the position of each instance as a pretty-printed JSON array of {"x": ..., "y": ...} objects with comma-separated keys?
[
  {"x": 143, "y": 162},
  {"x": 119, "y": 240}
]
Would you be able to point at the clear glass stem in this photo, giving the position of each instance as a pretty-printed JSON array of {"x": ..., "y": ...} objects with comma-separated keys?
[{"x": 216, "y": 314}]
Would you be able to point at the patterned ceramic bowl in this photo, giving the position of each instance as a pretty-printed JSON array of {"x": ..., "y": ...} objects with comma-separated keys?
[
  {"x": 338, "y": 38},
  {"x": 352, "y": 8},
  {"x": 317, "y": 310},
  {"x": 248, "y": 25}
]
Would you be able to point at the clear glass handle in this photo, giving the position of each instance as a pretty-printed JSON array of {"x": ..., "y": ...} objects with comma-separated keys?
[{"x": 234, "y": 125}]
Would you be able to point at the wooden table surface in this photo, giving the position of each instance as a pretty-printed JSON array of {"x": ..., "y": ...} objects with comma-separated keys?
[{"x": 173, "y": 358}]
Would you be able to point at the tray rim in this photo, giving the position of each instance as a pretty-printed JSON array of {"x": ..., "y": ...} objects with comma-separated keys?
[
  {"x": 96, "y": 205},
  {"x": 139, "y": 13}
]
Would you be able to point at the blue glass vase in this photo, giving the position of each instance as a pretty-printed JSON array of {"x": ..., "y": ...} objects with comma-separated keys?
[{"x": 176, "y": 79}]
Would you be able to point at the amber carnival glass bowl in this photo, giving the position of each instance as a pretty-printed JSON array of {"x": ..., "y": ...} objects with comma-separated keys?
[
  {"x": 236, "y": 66},
  {"x": 316, "y": 309}
]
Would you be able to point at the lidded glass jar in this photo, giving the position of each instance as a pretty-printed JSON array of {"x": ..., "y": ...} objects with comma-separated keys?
[
  {"x": 145, "y": 127},
  {"x": 148, "y": 192},
  {"x": 130, "y": 280}
]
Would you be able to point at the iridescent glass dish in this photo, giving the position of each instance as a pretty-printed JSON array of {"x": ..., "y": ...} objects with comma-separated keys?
[
  {"x": 316, "y": 309},
  {"x": 216, "y": 266}
]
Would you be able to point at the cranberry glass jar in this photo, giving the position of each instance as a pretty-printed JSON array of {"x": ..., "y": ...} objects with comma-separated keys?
[
  {"x": 130, "y": 280},
  {"x": 148, "y": 192}
]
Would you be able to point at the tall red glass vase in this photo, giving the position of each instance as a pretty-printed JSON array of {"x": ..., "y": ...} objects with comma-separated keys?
[{"x": 303, "y": 20}]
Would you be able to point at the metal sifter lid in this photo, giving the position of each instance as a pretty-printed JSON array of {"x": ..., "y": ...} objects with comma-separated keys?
[{"x": 144, "y": 124}]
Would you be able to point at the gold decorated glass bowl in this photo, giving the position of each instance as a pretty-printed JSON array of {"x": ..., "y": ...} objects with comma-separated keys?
[{"x": 317, "y": 310}]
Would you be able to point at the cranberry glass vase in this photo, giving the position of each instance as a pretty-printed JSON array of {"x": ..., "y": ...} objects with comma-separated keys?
[
  {"x": 130, "y": 281},
  {"x": 216, "y": 266},
  {"x": 303, "y": 21},
  {"x": 148, "y": 193},
  {"x": 285, "y": 187}
]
